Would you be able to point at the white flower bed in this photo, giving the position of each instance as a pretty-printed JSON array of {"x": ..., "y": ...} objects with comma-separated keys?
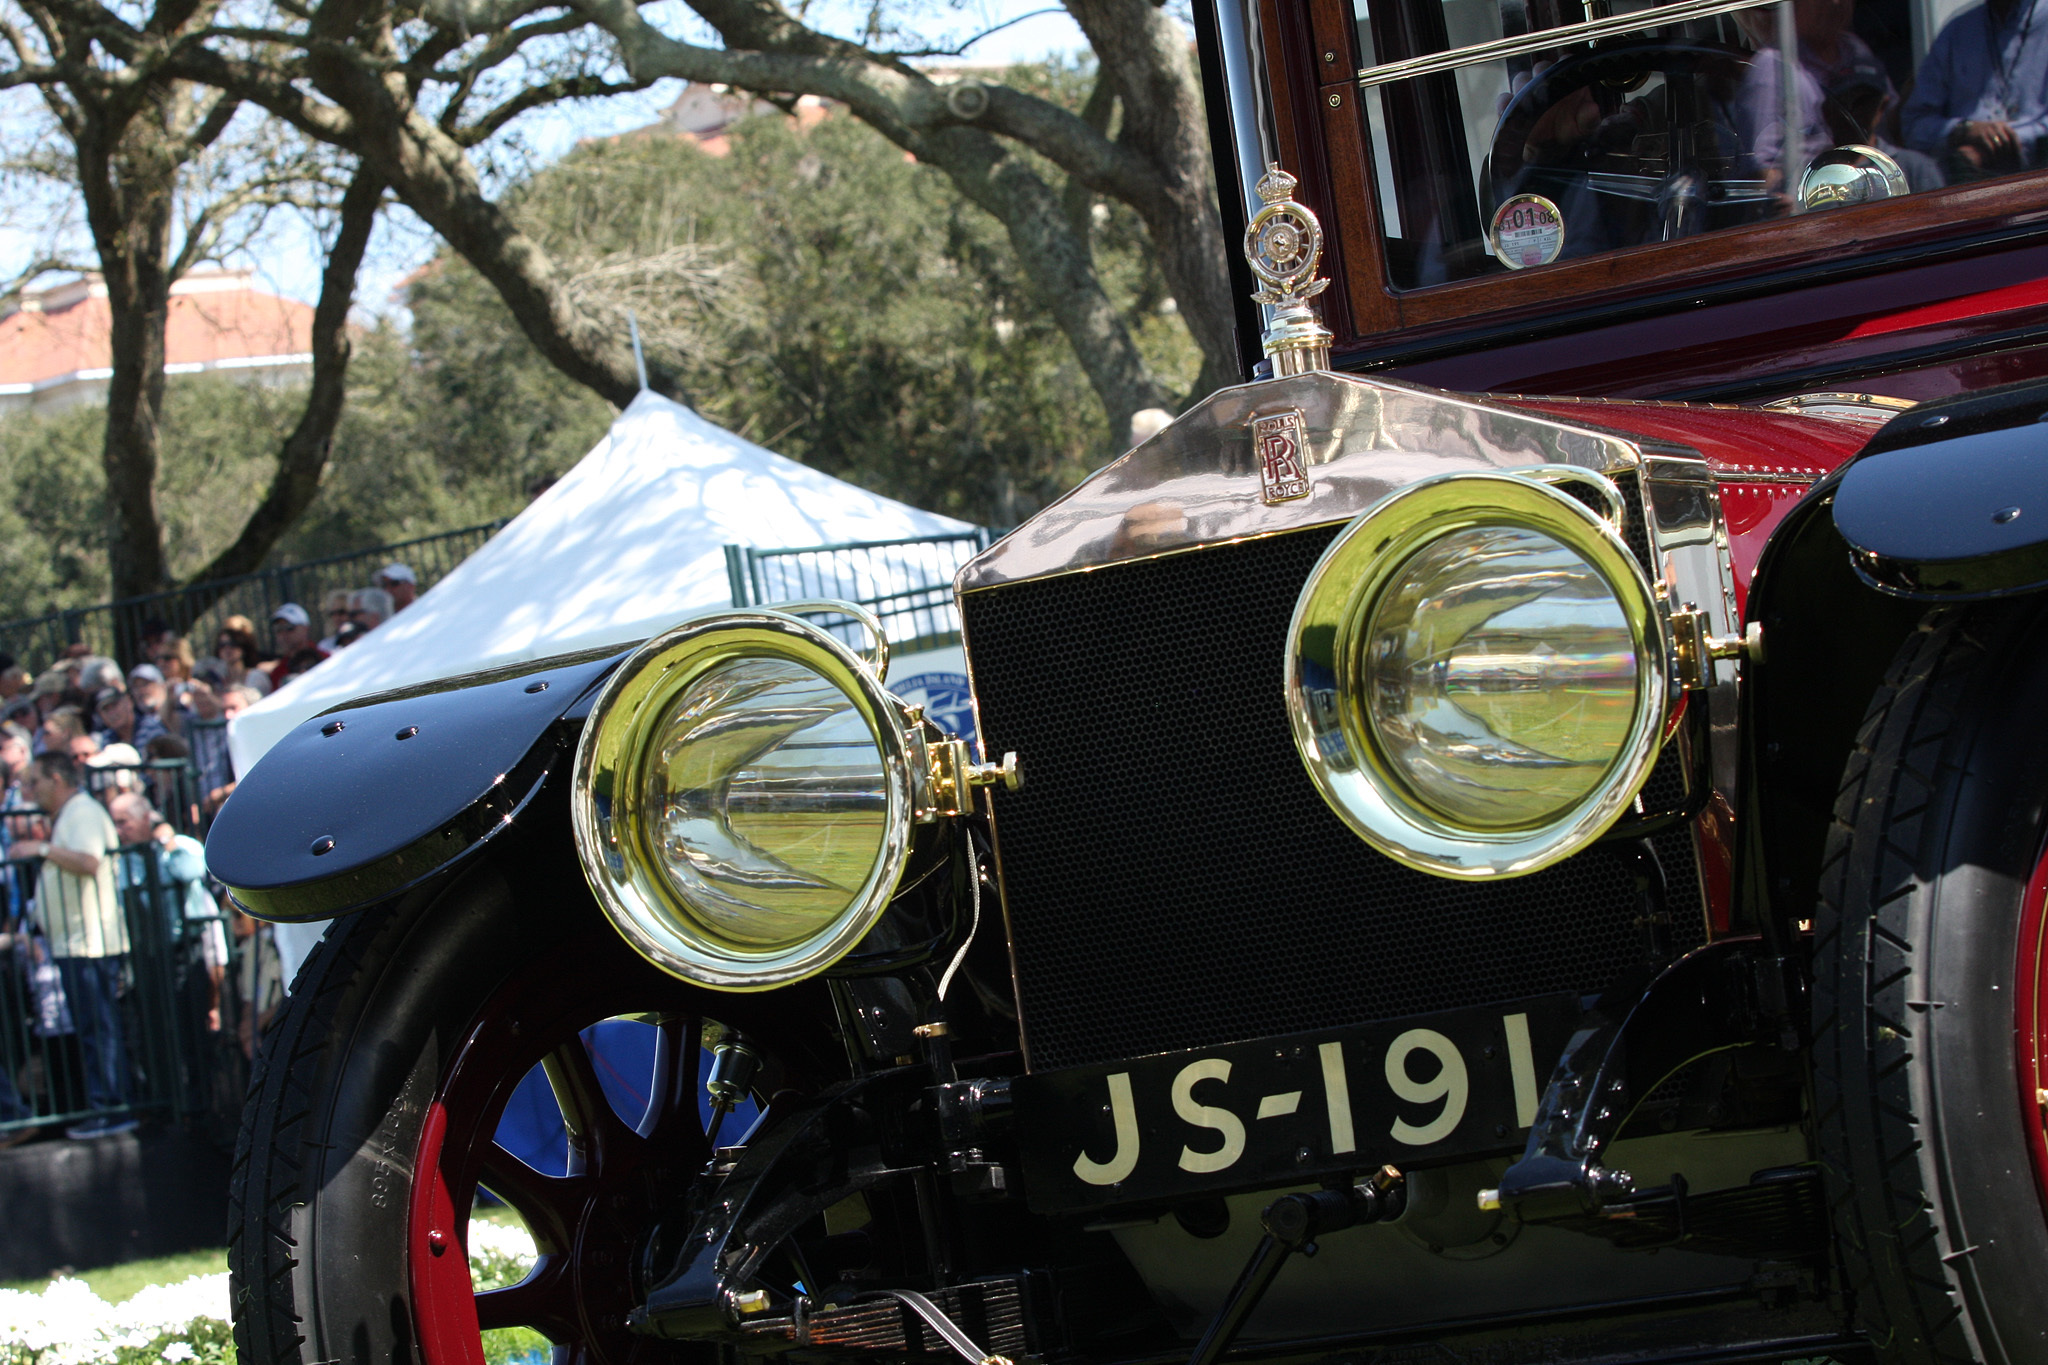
[
  {"x": 68, "y": 1324},
  {"x": 182, "y": 1324}
]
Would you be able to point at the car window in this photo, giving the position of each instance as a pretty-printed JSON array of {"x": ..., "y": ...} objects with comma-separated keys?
[{"x": 1498, "y": 145}]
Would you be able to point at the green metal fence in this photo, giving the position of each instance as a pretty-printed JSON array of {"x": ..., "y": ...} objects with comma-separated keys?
[
  {"x": 115, "y": 629},
  {"x": 127, "y": 993},
  {"x": 907, "y": 583}
]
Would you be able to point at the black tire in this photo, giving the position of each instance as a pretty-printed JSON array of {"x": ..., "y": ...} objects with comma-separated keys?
[
  {"x": 318, "y": 1200},
  {"x": 1938, "y": 826},
  {"x": 378, "y": 1020}
]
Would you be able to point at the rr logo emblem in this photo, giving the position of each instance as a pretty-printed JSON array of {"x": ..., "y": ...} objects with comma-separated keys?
[{"x": 1277, "y": 441}]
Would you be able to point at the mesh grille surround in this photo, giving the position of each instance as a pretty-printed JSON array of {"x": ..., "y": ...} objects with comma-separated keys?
[{"x": 1172, "y": 877}]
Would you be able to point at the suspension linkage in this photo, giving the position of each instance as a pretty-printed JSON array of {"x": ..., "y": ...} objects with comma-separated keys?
[{"x": 1292, "y": 1224}]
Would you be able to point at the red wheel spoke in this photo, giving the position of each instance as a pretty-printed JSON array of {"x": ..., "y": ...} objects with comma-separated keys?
[
  {"x": 544, "y": 1301},
  {"x": 549, "y": 1203},
  {"x": 592, "y": 1122}
]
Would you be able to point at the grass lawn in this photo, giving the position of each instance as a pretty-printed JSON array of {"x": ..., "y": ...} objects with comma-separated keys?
[{"x": 119, "y": 1283}]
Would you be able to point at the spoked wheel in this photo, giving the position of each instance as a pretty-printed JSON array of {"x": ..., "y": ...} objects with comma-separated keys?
[
  {"x": 1928, "y": 996},
  {"x": 590, "y": 1223},
  {"x": 372, "y": 1124}
]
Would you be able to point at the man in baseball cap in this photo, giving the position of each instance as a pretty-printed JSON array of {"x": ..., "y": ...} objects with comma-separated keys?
[
  {"x": 120, "y": 721},
  {"x": 398, "y": 580},
  {"x": 291, "y": 634},
  {"x": 146, "y": 686}
]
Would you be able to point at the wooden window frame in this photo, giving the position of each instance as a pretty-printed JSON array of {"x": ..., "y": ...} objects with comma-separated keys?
[{"x": 1311, "y": 58}]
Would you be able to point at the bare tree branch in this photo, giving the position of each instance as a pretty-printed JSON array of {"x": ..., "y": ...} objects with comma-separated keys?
[
  {"x": 274, "y": 89},
  {"x": 535, "y": 96},
  {"x": 959, "y": 49},
  {"x": 47, "y": 265},
  {"x": 767, "y": 49},
  {"x": 770, "y": 51}
]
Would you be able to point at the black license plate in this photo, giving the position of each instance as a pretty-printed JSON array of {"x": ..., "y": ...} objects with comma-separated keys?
[{"x": 1458, "y": 1084}]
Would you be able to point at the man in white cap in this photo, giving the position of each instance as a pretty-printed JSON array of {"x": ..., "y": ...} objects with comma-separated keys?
[
  {"x": 146, "y": 685},
  {"x": 397, "y": 579},
  {"x": 291, "y": 634}
]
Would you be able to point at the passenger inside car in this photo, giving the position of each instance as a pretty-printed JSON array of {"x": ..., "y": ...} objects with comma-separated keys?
[{"x": 1981, "y": 99}]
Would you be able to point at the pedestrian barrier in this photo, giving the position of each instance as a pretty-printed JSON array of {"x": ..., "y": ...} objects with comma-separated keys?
[
  {"x": 131, "y": 991},
  {"x": 134, "y": 991},
  {"x": 116, "y": 629}
]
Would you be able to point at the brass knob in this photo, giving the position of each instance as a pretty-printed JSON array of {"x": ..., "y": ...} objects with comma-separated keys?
[{"x": 988, "y": 774}]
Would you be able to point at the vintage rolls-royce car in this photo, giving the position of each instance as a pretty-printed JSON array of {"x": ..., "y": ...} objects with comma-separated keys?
[{"x": 1514, "y": 835}]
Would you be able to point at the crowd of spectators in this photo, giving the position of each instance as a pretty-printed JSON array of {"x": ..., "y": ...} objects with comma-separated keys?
[{"x": 106, "y": 781}]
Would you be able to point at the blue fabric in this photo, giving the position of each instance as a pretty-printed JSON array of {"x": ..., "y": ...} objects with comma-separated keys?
[
  {"x": 622, "y": 1053},
  {"x": 12, "y": 1106},
  {"x": 147, "y": 727},
  {"x": 1980, "y": 71},
  {"x": 92, "y": 986}
]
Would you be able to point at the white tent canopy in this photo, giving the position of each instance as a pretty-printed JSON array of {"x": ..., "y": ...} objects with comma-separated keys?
[{"x": 627, "y": 543}]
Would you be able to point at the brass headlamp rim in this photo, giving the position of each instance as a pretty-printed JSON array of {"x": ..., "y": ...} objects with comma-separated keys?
[
  {"x": 1348, "y": 768},
  {"x": 611, "y": 826}
]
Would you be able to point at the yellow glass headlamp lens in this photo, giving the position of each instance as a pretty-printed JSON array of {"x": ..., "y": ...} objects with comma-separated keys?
[
  {"x": 1476, "y": 675},
  {"x": 743, "y": 800}
]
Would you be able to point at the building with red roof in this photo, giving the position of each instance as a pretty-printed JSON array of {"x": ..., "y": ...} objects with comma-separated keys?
[{"x": 54, "y": 351}]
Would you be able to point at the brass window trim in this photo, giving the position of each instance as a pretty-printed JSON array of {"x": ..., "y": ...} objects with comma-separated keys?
[{"x": 1543, "y": 40}]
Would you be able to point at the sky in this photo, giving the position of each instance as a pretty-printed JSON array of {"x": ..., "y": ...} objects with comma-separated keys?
[{"x": 287, "y": 259}]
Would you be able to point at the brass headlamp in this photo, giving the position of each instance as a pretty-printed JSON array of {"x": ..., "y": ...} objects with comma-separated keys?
[
  {"x": 746, "y": 792},
  {"x": 1477, "y": 673}
]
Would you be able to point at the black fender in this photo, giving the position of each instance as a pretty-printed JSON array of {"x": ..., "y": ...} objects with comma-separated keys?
[
  {"x": 1828, "y": 639},
  {"x": 1906, "y": 524},
  {"x": 369, "y": 799},
  {"x": 1949, "y": 502}
]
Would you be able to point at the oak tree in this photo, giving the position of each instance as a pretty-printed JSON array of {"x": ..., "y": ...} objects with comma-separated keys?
[{"x": 172, "y": 175}]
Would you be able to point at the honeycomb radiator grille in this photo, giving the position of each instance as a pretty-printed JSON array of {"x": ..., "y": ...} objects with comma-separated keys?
[{"x": 1172, "y": 878}]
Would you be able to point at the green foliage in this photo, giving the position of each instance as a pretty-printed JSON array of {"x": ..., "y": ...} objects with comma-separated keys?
[
  {"x": 220, "y": 445},
  {"x": 66, "y": 1323},
  {"x": 441, "y": 431},
  {"x": 814, "y": 290},
  {"x": 870, "y": 322},
  {"x": 204, "y": 1341},
  {"x": 209, "y": 1341},
  {"x": 516, "y": 1346},
  {"x": 120, "y": 1283},
  {"x": 426, "y": 444}
]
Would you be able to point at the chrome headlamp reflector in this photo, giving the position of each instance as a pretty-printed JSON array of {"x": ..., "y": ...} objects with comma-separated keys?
[
  {"x": 743, "y": 800},
  {"x": 1477, "y": 675}
]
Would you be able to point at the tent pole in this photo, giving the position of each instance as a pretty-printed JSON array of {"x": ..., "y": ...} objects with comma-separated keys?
[{"x": 639, "y": 357}]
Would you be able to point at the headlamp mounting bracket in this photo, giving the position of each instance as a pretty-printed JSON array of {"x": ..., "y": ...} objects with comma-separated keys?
[{"x": 1694, "y": 651}]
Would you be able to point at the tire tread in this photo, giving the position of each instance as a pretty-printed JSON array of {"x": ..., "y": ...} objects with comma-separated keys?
[
  {"x": 1891, "y": 1238},
  {"x": 277, "y": 1147}
]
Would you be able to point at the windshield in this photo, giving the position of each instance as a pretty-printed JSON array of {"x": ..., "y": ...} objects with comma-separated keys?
[{"x": 1515, "y": 148}]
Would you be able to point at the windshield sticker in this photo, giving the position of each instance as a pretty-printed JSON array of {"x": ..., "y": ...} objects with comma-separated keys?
[{"x": 1527, "y": 230}]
